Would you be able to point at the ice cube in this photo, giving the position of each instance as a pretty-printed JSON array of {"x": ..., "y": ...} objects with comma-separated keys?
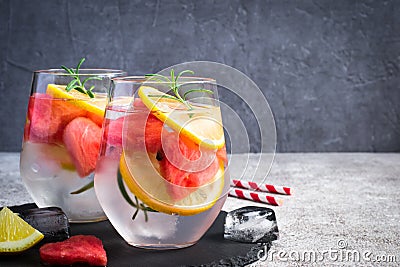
[
  {"x": 51, "y": 222},
  {"x": 251, "y": 224}
]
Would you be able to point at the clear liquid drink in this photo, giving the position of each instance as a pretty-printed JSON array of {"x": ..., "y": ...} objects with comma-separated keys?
[
  {"x": 161, "y": 176},
  {"x": 61, "y": 142}
]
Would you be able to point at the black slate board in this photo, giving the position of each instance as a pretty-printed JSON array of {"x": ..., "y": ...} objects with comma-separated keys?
[{"x": 211, "y": 250}]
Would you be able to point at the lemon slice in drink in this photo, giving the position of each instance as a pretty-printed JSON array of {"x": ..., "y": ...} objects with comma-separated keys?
[
  {"x": 205, "y": 130},
  {"x": 152, "y": 189},
  {"x": 15, "y": 234},
  {"x": 95, "y": 105}
]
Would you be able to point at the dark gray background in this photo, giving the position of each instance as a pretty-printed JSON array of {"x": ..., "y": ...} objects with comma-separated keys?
[{"x": 329, "y": 69}]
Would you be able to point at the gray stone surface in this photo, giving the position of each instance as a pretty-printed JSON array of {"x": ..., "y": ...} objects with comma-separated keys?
[
  {"x": 330, "y": 69},
  {"x": 337, "y": 196}
]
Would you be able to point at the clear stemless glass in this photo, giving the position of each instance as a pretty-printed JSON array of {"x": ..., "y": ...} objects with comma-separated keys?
[
  {"x": 161, "y": 177},
  {"x": 62, "y": 139}
]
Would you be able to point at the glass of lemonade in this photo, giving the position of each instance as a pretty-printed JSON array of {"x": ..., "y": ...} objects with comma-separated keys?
[
  {"x": 62, "y": 139},
  {"x": 161, "y": 177}
]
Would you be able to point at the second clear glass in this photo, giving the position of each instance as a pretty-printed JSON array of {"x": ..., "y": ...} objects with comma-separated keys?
[{"x": 161, "y": 176}]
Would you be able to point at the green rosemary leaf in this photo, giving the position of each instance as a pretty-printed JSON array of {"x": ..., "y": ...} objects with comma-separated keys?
[
  {"x": 121, "y": 187},
  {"x": 76, "y": 83},
  {"x": 135, "y": 214},
  {"x": 159, "y": 76},
  {"x": 159, "y": 80},
  {"x": 174, "y": 86},
  {"x": 137, "y": 209},
  {"x": 146, "y": 217},
  {"x": 197, "y": 90},
  {"x": 90, "y": 93},
  {"x": 173, "y": 75},
  {"x": 79, "y": 65},
  {"x": 83, "y": 188},
  {"x": 145, "y": 208},
  {"x": 183, "y": 72},
  {"x": 80, "y": 89},
  {"x": 91, "y": 78},
  {"x": 137, "y": 202},
  {"x": 67, "y": 70},
  {"x": 137, "y": 205},
  {"x": 71, "y": 85},
  {"x": 164, "y": 96}
]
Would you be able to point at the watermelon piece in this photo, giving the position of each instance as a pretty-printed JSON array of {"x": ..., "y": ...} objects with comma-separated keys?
[
  {"x": 113, "y": 131},
  {"x": 139, "y": 105},
  {"x": 143, "y": 133},
  {"x": 182, "y": 163},
  {"x": 112, "y": 138},
  {"x": 143, "y": 130},
  {"x": 42, "y": 127},
  {"x": 79, "y": 249},
  {"x": 153, "y": 126},
  {"x": 153, "y": 132},
  {"x": 27, "y": 128},
  {"x": 221, "y": 154},
  {"x": 82, "y": 139},
  {"x": 47, "y": 118}
]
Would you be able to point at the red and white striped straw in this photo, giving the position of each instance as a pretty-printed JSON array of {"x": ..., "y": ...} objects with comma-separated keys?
[
  {"x": 254, "y": 196},
  {"x": 263, "y": 188}
]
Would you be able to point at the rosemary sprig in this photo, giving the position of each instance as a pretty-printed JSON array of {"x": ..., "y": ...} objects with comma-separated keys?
[
  {"x": 76, "y": 83},
  {"x": 136, "y": 204},
  {"x": 83, "y": 188},
  {"x": 173, "y": 83}
]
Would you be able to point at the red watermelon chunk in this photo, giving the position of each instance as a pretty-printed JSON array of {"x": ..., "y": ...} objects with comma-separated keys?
[
  {"x": 27, "y": 129},
  {"x": 153, "y": 133},
  {"x": 143, "y": 130},
  {"x": 82, "y": 139},
  {"x": 183, "y": 164},
  {"x": 47, "y": 118},
  {"x": 113, "y": 131},
  {"x": 112, "y": 138},
  {"x": 221, "y": 154},
  {"x": 153, "y": 127},
  {"x": 139, "y": 105},
  {"x": 79, "y": 249}
]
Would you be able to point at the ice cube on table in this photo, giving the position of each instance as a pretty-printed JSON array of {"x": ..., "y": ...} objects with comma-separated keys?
[
  {"x": 51, "y": 222},
  {"x": 251, "y": 224}
]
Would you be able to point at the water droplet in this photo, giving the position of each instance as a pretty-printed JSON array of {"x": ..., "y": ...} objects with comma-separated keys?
[{"x": 35, "y": 167}]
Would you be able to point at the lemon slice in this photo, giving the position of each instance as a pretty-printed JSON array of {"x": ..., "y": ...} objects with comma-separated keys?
[
  {"x": 202, "y": 125},
  {"x": 95, "y": 105},
  {"x": 15, "y": 234},
  {"x": 152, "y": 189}
]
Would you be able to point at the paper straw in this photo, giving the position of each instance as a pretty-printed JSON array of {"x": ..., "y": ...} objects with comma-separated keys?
[
  {"x": 263, "y": 188},
  {"x": 255, "y": 196}
]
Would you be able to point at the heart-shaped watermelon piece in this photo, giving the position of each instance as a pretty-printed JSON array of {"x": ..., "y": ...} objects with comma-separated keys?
[{"x": 79, "y": 249}]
